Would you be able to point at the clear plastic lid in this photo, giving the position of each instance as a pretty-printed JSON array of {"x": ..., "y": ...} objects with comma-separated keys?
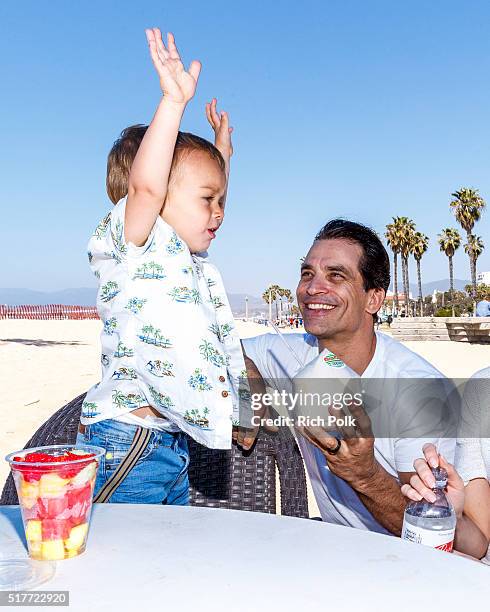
[
  {"x": 20, "y": 573},
  {"x": 56, "y": 450}
]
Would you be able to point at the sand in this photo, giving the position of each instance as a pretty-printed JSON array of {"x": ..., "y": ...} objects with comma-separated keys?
[{"x": 45, "y": 364}]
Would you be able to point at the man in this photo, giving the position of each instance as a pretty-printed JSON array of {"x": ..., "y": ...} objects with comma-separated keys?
[
  {"x": 483, "y": 306},
  {"x": 344, "y": 279}
]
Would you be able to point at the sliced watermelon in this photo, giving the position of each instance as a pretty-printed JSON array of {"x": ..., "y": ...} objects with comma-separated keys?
[
  {"x": 55, "y": 529},
  {"x": 52, "y": 508}
]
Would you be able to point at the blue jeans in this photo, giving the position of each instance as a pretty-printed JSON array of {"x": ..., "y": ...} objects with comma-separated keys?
[{"x": 158, "y": 477}]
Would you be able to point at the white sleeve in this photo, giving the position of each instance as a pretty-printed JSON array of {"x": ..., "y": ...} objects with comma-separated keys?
[
  {"x": 469, "y": 458},
  {"x": 409, "y": 449},
  {"x": 256, "y": 349},
  {"x": 427, "y": 412},
  {"x": 116, "y": 234}
]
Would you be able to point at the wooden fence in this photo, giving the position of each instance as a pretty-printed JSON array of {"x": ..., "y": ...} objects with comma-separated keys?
[{"x": 48, "y": 311}]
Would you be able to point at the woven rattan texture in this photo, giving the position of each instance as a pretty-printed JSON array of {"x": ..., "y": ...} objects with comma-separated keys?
[{"x": 218, "y": 478}]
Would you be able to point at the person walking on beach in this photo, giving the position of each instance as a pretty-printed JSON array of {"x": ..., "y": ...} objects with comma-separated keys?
[{"x": 171, "y": 357}]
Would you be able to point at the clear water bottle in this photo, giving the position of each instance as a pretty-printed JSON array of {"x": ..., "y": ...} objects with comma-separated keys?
[{"x": 431, "y": 523}]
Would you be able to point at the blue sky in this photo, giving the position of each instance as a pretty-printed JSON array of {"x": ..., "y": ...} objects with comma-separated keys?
[{"x": 341, "y": 108}]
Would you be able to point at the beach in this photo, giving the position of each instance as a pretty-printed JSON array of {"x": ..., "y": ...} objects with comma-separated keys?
[{"x": 45, "y": 364}]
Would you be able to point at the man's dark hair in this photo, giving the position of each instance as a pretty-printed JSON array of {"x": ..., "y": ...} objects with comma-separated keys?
[{"x": 374, "y": 264}]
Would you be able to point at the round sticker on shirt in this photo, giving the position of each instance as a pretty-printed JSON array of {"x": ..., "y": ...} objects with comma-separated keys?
[{"x": 333, "y": 361}]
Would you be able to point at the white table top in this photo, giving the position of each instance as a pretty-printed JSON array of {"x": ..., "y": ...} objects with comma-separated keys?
[{"x": 152, "y": 557}]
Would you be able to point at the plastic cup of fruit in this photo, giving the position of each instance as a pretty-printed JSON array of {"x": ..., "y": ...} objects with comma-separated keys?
[{"x": 55, "y": 485}]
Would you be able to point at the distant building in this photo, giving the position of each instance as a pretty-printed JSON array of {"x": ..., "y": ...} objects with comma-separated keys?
[
  {"x": 435, "y": 293},
  {"x": 483, "y": 278},
  {"x": 388, "y": 305},
  {"x": 401, "y": 296}
]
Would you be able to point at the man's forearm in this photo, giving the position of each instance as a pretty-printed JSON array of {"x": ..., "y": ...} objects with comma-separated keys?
[{"x": 382, "y": 497}]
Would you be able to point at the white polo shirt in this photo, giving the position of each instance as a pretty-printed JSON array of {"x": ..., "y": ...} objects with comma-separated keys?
[{"x": 337, "y": 501}]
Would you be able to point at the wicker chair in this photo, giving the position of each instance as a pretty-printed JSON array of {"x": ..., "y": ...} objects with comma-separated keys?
[{"x": 218, "y": 479}]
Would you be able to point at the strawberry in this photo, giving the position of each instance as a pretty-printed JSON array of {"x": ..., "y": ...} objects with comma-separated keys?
[
  {"x": 76, "y": 456},
  {"x": 66, "y": 471},
  {"x": 30, "y": 474},
  {"x": 39, "y": 457}
]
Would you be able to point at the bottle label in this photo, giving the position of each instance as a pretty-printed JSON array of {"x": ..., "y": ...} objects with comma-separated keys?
[{"x": 442, "y": 540}]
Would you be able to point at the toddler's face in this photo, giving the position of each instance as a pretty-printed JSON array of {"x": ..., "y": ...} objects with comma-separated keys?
[{"x": 195, "y": 200}]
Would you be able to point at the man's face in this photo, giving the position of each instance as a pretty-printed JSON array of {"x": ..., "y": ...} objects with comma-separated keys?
[
  {"x": 195, "y": 200},
  {"x": 331, "y": 293}
]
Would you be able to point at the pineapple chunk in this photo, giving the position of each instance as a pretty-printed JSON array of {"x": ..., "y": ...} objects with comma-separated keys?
[
  {"x": 34, "y": 549},
  {"x": 52, "y": 550},
  {"x": 84, "y": 475},
  {"x": 33, "y": 531},
  {"x": 28, "y": 494},
  {"x": 52, "y": 485},
  {"x": 77, "y": 536}
]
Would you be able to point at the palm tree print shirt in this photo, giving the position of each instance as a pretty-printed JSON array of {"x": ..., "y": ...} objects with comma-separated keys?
[{"x": 168, "y": 338}]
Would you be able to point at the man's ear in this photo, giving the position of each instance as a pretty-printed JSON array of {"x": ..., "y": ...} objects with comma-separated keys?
[{"x": 376, "y": 298}]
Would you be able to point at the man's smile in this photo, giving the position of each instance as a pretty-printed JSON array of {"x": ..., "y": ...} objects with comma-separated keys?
[{"x": 319, "y": 306}]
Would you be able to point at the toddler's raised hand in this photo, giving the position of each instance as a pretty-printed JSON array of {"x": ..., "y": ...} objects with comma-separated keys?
[
  {"x": 222, "y": 130},
  {"x": 177, "y": 85}
]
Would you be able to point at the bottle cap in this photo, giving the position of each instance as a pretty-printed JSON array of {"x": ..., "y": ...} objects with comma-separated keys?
[{"x": 440, "y": 476}]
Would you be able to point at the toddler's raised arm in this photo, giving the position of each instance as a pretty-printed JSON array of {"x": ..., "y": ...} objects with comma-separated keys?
[{"x": 148, "y": 179}]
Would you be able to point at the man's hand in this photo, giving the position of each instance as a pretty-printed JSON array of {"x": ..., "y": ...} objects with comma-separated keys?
[
  {"x": 178, "y": 86},
  {"x": 222, "y": 130},
  {"x": 354, "y": 462},
  {"x": 422, "y": 483}
]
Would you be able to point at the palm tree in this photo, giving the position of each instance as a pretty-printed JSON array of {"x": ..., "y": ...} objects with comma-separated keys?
[
  {"x": 280, "y": 295},
  {"x": 420, "y": 244},
  {"x": 474, "y": 248},
  {"x": 119, "y": 399},
  {"x": 449, "y": 242},
  {"x": 146, "y": 331},
  {"x": 287, "y": 293},
  {"x": 284, "y": 294},
  {"x": 467, "y": 207},
  {"x": 271, "y": 295},
  {"x": 406, "y": 230},
  {"x": 392, "y": 236}
]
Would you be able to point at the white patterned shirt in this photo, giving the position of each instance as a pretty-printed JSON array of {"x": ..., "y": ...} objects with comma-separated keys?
[{"x": 168, "y": 338}]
